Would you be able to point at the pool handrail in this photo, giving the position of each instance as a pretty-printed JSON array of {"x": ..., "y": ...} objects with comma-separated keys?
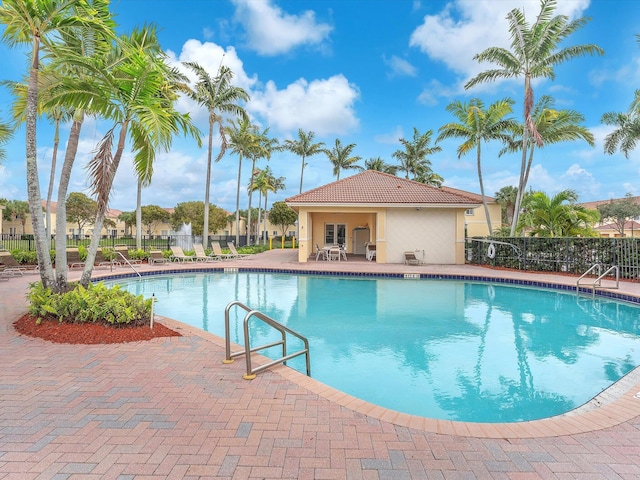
[{"x": 246, "y": 351}]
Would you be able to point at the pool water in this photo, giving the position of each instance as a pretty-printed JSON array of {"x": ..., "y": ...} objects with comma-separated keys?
[{"x": 437, "y": 348}]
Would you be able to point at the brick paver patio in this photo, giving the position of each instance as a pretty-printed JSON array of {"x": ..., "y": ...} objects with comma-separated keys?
[{"x": 169, "y": 409}]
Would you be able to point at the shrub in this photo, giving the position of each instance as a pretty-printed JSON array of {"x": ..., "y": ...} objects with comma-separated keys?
[
  {"x": 95, "y": 304},
  {"x": 138, "y": 254},
  {"x": 26, "y": 257}
]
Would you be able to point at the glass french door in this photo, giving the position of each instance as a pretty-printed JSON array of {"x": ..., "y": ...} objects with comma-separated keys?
[{"x": 335, "y": 233}]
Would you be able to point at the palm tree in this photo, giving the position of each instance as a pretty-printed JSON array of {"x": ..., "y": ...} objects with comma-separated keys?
[
  {"x": 477, "y": 124},
  {"x": 6, "y": 133},
  {"x": 39, "y": 23},
  {"x": 557, "y": 216},
  {"x": 242, "y": 139},
  {"x": 304, "y": 147},
  {"x": 380, "y": 165},
  {"x": 265, "y": 183},
  {"x": 219, "y": 97},
  {"x": 534, "y": 54},
  {"x": 264, "y": 147},
  {"x": 341, "y": 159},
  {"x": 413, "y": 159},
  {"x": 506, "y": 197},
  {"x": 553, "y": 126},
  {"x": 137, "y": 90},
  {"x": 627, "y": 134}
]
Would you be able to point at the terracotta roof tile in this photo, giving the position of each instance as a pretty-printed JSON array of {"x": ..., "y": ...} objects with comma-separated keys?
[{"x": 373, "y": 187}]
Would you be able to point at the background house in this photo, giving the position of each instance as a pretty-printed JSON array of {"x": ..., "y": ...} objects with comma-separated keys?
[{"x": 396, "y": 214}]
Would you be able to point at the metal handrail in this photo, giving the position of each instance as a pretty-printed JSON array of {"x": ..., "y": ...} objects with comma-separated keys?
[
  {"x": 251, "y": 372},
  {"x": 595, "y": 265},
  {"x": 128, "y": 263},
  {"x": 598, "y": 280}
]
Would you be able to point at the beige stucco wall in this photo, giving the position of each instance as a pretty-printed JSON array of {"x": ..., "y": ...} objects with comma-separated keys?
[{"x": 477, "y": 222}]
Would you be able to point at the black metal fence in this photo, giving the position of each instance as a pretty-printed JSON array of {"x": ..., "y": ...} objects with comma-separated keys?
[
  {"x": 567, "y": 255},
  {"x": 149, "y": 242}
]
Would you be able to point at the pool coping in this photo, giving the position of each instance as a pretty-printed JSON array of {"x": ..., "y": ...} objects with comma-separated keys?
[{"x": 613, "y": 406}]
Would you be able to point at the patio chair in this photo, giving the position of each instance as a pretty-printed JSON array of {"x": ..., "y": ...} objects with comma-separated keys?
[
  {"x": 411, "y": 258},
  {"x": 343, "y": 251},
  {"x": 217, "y": 252},
  {"x": 234, "y": 252},
  {"x": 179, "y": 255},
  {"x": 122, "y": 252},
  {"x": 333, "y": 254},
  {"x": 320, "y": 253},
  {"x": 156, "y": 257},
  {"x": 201, "y": 255},
  {"x": 370, "y": 251},
  {"x": 73, "y": 258}
]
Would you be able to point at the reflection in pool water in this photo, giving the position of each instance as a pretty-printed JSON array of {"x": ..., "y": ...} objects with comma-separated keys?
[{"x": 441, "y": 349}]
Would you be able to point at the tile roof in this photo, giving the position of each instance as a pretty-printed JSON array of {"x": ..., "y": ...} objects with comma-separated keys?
[
  {"x": 595, "y": 204},
  {"x": 376, "y": 188}
]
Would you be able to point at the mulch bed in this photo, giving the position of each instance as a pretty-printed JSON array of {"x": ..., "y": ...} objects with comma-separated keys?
[{"x": 89, "y": 333}]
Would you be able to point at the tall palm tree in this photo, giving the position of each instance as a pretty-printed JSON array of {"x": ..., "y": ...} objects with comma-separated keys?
[
  {"x": 219, "y": 97},
  {"x": 414, "y": 156},
  {"x": 6, "y": 133},
  {"x": 38, "y": 23},
  {"x": 477, "y": 124},
  {"x": 242, "y": 140},
  {"x": 534, "y": 54},
  {"x": 304, "y": 147},
  {"x": 266, "y": 182},
  {"x": 138, "y": 90},
  {"x": 341, "y": 158},
  {"x": 263, "y": 148},
  {"x": 557, "y": 216},
  {"x": 627, "y": 134},
  {"x": 378, "y": 164},
  {"x": 553, "y": 126}
]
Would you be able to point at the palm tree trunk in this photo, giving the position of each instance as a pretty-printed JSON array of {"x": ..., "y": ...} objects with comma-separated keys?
[
  {"x": 33, "y": 182},
  {"x": 52, "y": 176},
  {"x": 238, "y": 202},
  {"x": 205, "y": 227},
  {"x": 301, "y": 173},
  {"x": 139, "y": 215},
  {"x": 253, "y": 167},
  {"x": 525, "y": 140},
  {"x": 484, "y": 199},
  {"x": 61, "y": 213}
]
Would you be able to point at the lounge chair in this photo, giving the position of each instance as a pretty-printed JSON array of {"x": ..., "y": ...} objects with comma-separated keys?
[
  {"x": 100, "y": 261},
  {"x": 370, "y": 251},
  {"x": 234, "y": 252},
  {"x": 157, "y": 257},
  {"x": 411, "y": 258},
  {"x": 201, "y": 255},
  {"x": 217, "y": 252},
  {"x": 122, "y": 252},
  {"x": 11, "y": 268},
  {"x": 73, "y": 258},
  {"x": 179, "y": 255}
]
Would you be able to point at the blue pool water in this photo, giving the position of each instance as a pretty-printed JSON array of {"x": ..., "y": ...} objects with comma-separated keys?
[{"x": 436, "y": 348}]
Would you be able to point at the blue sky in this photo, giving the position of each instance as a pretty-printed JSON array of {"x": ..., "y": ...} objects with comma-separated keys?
[{"x": 365, "y": 72}]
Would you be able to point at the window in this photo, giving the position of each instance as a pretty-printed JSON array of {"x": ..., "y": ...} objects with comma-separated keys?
[
  {"x": 335, "y": 233},
  {"x": 469, "y": 211}
]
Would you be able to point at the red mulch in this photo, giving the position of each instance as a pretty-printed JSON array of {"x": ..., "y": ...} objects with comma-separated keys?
[{"x": 89, "y": 333}]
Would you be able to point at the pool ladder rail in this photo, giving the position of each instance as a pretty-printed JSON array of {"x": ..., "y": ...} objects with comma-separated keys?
[
  {"x": 597, "y": 283},
  {"x": 247, "y": 350}
]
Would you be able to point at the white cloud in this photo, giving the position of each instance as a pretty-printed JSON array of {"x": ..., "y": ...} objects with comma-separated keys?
[
  {"x": 271, "y": 31},
  {"x": 434, "y": 91},
  {"x": 459, "y": 31},
  {"x": 628, "y": 74},
  {"x": 324, "y": 106},
  {"x": 399, "y": 67}
]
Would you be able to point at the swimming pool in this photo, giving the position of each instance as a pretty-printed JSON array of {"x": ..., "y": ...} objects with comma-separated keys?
[{"x": 443, "y": 349}]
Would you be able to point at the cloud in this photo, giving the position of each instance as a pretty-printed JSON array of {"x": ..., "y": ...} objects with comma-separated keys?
[
  {"x": 434, "y": 91},
  {"x": 399, "y": 67},
  {"x": 459, "y": 31},
  {"x": 324, "y": 106},
  {"x": 271, "y": 31},
  {"x": 391, "y": 138},
  {"x": 628, "y": 74}
]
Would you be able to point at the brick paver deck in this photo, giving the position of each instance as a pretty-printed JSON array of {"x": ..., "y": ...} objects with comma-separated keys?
[{"x": 169, "y": 409}]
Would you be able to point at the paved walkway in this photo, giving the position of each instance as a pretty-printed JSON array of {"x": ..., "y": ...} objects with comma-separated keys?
[{"x": 169, "y": 408}]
